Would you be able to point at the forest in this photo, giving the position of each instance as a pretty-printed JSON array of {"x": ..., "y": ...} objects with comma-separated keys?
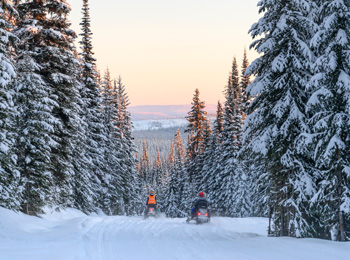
[{"x": 278, "y": 147}]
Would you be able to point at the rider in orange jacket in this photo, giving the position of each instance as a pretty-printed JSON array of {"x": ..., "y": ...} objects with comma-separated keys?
[{"x": 151, "y": 201}]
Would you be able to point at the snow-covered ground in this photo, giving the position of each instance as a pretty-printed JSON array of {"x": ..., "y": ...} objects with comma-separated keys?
[{"x": 71, "y": 235}]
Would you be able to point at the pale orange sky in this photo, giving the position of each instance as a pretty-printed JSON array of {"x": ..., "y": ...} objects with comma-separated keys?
[{"x": 165, "y": 49}]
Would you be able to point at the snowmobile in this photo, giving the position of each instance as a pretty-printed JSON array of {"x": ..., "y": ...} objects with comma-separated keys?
[
  {"x": 153, "y": 212},
  {"x": 201, "y": 216}
]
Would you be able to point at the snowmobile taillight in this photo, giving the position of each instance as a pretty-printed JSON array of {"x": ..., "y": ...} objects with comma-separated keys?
[{"x": 151, "y": 209}]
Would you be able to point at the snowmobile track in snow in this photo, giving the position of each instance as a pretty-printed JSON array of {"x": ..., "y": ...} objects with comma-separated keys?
[{"x": 75, "y": 236}]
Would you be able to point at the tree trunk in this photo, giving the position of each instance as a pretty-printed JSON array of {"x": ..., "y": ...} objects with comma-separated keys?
[
  {"x": 270, "y": 216},
  {"x": 341, "y": 226}
]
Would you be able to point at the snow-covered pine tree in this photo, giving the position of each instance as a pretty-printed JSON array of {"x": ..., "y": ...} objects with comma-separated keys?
[
  {"x": 171, "y": 158},
  {"x": 203, "y": 159},
  {"x": 244, "y": 83},
  {"x": 211, "y": 158},
  {"x": 171, "y": 200},
  {"x": 144, "y": 170},
  {"x": 59, "y": 71},
  {"x": 197, "y": 119},
  {"x": 87, "y": 184},
  {"x": 176, "y": 202},
  {"x": 9, "y": 177},
  {"x": 251, "y": 194},
  {"x": 128, "y": 151},
  {"x": 218, "y": 123},
  {"x": 231, "y": 143},
  {"x": 44, "y": 28},
  {"x": 112, "y": 183},
  {"x": 277, "y": 114},
  {"x": 158, "y": 175},
  {"x": 240, "y": 204},
  {"x": 329, "y": 109},
  {"x": 34, "y": 134}
]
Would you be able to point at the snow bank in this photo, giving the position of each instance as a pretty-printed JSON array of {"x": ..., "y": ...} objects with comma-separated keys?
[{"x": 51, "y": 214}]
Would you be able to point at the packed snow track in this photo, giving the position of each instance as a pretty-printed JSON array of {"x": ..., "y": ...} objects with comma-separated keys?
[{"x": 72, "y": 235}]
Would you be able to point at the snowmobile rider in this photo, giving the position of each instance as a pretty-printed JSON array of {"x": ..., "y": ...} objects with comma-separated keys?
[
  {"x": 151, "y": 201},
  {"x": 201, "y": 202}
]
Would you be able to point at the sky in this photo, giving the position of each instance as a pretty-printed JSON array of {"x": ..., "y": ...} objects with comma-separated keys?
[{"x": 164, "y": 50}]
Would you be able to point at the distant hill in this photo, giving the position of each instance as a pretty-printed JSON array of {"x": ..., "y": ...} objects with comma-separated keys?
[
  {"x": 164, "y": 112},
  {"x": 153, "y": 124}
]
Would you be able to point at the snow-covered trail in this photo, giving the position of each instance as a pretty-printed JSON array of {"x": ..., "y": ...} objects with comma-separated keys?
[
  {"x": 135, "y": 238},
  {"x": 74, "y": 236}
]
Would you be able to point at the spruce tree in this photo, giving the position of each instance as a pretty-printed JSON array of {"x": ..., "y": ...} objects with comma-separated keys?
[
  {"x": 144, "y": 170},
  {"x": 128, "y": 148},
  {"x": 197, "y": 119},
  {"x": 112, "y": 181},
  {"x": 93, "y": 134},
  {"x": 171, "y": 201},
  {"x": 177, "y": 202},
  {"x": 9, "y": 176},
  {"x": 158, "y": 175},
  {"x": 50, "y": 44},
  {"x": 245, "y": 81},
  {"x": 59, "y": 69},
  {"x": 329, "y": 111},
  {"x": 204, "y": 158},
  {"x": 277, "y": 114},
  {"x": 171, "y": 158},
  {"x": 211, "y": 181},
  {"x": 34, "y": 135},
  {"x": 228, "y": 174}
]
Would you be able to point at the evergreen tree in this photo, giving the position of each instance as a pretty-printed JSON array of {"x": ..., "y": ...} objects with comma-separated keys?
[
  {"x": 44, "y": 28},
  {"x": 277, "y": 114},
  {"x": 245, "y": 81},
  {"x": 329, "y": 111},
  {"x": 89, "y": 173},
  {"x": 219, "y": 122},
  {"x": 232, "y": 123},
  {"x": 144, "y": 170},
  {"x": 197, "y": 119},
  {"x": 127, "y": 158},
  {"x": 9, "y": 176},
  {"x": 171, "y": 158},
  {"x": 34, "y": 135},
  {"x": 158, "y": 176},
  {"x": 171, "y": 202},
  {"x": 176, "y": 203},
  {"x": 227, "y": 175},
  {"x": 203, "y": 158},
  {"x": 59, "y": 70},
  {"x": 210, "y": 182},
  {"x": 197, "y": 122},
  {"x": 111, "y": 199}
]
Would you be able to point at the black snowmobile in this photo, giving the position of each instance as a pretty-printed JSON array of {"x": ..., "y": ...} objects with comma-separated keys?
[
  {"x": 201, "y": 216},
  {"x": 201, "y": 213}
]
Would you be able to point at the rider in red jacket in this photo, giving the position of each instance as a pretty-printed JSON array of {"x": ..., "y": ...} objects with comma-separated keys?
[{"x": 201, "y": 202}]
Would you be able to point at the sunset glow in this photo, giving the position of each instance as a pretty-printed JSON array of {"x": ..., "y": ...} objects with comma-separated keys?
[{"x": 164, "y": 50}]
